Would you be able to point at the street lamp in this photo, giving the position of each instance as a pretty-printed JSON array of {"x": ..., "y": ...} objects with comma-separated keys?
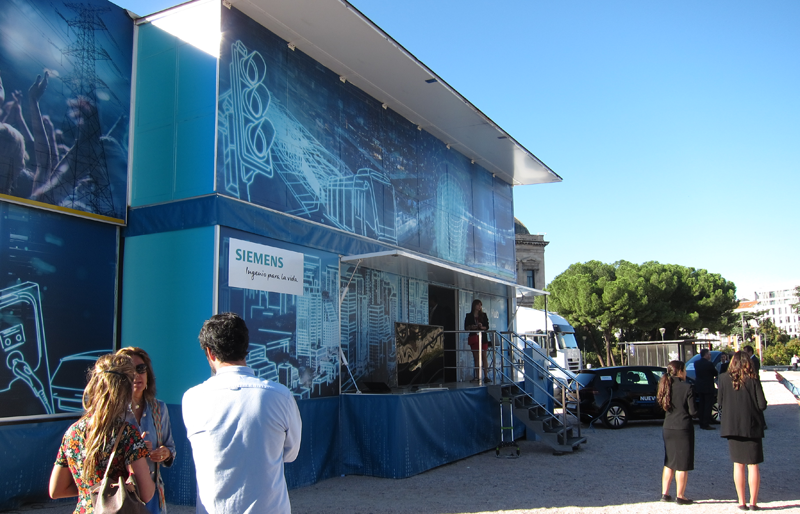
[
  {"x": 584, "y": 352},
  {"x": 662, "y": 330}
]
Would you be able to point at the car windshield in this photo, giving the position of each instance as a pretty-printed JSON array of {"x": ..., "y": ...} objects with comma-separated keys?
[{"x": 584, "y": 379}]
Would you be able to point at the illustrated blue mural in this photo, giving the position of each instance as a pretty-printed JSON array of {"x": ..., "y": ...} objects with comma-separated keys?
[
  {"x": 56, "y": 307},
  {"x": 293, "y": 137},
  {"x": 294, "y": 340},
  {"x": 65, "y": 81}
]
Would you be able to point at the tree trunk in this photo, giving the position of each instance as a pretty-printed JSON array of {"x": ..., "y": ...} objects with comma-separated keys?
[
  {"x": 609, "y": 355},
  {"x": 597, "y": 349}
]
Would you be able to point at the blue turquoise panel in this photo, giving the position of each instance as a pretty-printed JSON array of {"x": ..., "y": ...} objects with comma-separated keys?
[
  {"x": 294, "y": 138},
  {"x": 167, "y": 295},
  {"x": 173, "y": 154},
  {"x": 57, "y": 302},
  {"x": 75, "y": 60}
]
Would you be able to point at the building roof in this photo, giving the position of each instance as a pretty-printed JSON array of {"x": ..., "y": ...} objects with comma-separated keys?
[
  {"x": 339, "y": 36},
  {"x": 747, "y": 306}
]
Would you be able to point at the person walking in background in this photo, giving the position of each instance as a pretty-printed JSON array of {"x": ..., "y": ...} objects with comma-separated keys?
[
  {"x": 742, "y": 404},
  {"x": 705, "y": 372},
  {"x": 723, "y": 363},
  {"x": 675, "y": 396},
  {"x": 242, "y": 428},
  {"x": 477, "y": 320},
  {"x": 151, "y": 417},
  {"x": 87, "y": 445},
  {"x": 795, "y": 360},
  {"x": 755, "y": 361}
]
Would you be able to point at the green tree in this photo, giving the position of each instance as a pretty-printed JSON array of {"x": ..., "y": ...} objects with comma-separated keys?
[
  {"x": 780, "y": 353},
  {"x": 636, "y": 300}
]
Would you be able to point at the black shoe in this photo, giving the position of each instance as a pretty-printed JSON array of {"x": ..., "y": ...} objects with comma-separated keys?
[
  {"x": 755, "y": 507},
  {"x": 666, "y": 498},
  {"x": 744, "y": 507},
  {"x": 683, "y": 501}
]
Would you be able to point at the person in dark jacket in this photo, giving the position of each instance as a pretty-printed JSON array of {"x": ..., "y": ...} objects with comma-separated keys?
[
  {"x": 477, "y": 320},
  {"x": 742, "y": 404},
  {"x": 754, "y": 360},
  {"x": 705, "y": 372},
  {"x": 675, "y": 396}
]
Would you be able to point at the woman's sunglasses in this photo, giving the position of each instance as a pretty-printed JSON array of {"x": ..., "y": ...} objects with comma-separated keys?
[{"x": 141, "y": 369}]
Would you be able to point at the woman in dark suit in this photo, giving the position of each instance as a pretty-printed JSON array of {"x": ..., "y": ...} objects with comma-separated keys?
[
  {"x": 675, "y": 396},
  {"x": 476, "y": 319},
  {"x": 742, "y": 404}
]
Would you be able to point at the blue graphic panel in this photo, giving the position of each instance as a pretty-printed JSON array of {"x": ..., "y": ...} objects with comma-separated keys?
[
  {"x": 65, "y": 103},
  {"x": 373, "y": 302},
  {"x": 293, "y": 137},
  {"x": 294, "y": 340},
  {"x": 56, "y": 307}
]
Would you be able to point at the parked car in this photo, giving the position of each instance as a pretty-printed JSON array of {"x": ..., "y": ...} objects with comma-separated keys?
[
  {"x": 629, "y": 392},
  {"x": 716, "y": 357}
]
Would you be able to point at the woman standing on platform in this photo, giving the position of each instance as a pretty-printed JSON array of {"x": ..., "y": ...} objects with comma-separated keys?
[
  {"x": 675, "y": 396},
  {"x": 742, "y": 403},
  {"x": 89, "y": 442},
  {"x": 151, "y": 417},
  {"x": 476, "y": 319}
]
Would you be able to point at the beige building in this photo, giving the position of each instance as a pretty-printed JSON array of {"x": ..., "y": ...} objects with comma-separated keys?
[{"x": 530, "y": 259}]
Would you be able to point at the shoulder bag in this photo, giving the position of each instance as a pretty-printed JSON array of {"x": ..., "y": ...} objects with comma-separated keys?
[{"x": 109, "y": 498}]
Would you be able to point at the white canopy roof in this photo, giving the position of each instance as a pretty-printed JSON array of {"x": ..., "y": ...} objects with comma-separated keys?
[
  {"x": 421, "y": 267},
  {"x": 339, "y": 36}
]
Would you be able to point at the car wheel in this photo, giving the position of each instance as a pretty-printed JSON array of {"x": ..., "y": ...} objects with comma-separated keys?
[
  {"x": 616, "y": 416},
  {"x": 715, "y": 412}
]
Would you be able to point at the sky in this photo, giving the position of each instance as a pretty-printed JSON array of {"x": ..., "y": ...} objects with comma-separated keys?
[{"x": 674, "y": 125}]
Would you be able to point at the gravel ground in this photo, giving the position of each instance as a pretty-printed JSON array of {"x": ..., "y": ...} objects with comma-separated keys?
[{"x": 616, "y": 471}]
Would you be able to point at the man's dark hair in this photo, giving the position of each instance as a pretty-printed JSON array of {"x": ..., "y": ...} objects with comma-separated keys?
[
  {"x": 226, "y": 337},
  {"x": 704, "y": 352},
  {"x": 749, "y": 349}
]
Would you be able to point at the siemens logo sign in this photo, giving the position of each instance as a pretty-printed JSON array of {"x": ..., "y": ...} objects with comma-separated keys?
[
  {"x": 264, "y": 268},
  {"x": 259, "y": 258}
]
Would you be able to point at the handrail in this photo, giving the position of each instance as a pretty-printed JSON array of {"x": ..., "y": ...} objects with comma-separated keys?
[{"x": 517, "y": 359}]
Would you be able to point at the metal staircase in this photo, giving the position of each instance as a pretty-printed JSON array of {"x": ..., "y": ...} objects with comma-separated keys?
[{"x": 542, "y": 395}]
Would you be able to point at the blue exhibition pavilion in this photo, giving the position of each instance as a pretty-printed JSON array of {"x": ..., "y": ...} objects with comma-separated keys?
[{"x": 286, "y": 160}]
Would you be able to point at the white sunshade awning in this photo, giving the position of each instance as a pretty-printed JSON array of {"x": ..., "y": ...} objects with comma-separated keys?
[
  {"x": 408, "y": 264},
  {"x": 341, "y": 38}
]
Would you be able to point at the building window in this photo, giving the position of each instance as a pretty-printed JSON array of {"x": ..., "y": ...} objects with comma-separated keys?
[{"x": 530, "y": 280}]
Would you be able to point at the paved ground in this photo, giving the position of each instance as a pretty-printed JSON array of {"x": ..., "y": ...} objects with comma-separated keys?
[{"x": 617, "y": 471}]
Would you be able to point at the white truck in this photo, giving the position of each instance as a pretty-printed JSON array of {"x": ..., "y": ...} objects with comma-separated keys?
[{"x": 561, "y": 345}]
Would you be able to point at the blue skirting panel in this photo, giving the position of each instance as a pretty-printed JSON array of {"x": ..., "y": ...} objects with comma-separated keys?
[
  {"x": 398, "y": 436},
  {"x": 27, "y": 453},
  {"x": 388, "y": 436}
]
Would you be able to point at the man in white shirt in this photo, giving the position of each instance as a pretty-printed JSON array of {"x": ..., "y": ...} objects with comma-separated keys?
[{"x": 242, "y": 428}]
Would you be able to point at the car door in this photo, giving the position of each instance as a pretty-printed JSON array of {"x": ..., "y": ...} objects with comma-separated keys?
[
  {"x": 638, "y": 391},
  {"x": 654, "y": 376}
]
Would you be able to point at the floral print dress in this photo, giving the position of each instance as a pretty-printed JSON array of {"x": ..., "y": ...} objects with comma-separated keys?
[{"x": 72, "y": 454}]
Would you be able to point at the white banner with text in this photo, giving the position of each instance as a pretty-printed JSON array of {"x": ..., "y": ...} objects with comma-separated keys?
[{"x": 265, "y": 268}]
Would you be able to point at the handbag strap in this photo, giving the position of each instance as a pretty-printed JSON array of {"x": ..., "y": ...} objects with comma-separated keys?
[
  {"x": 114, "y": 449},
  {"x": 156, "y": 411}
]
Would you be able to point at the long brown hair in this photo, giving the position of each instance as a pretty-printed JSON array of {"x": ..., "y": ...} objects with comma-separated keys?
[
  {"x": 740, "y": 369},
  {"x": 105, "y": 401},
  {"x": 664, "y": 395},
  {"x": 149, "y": 393}
]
